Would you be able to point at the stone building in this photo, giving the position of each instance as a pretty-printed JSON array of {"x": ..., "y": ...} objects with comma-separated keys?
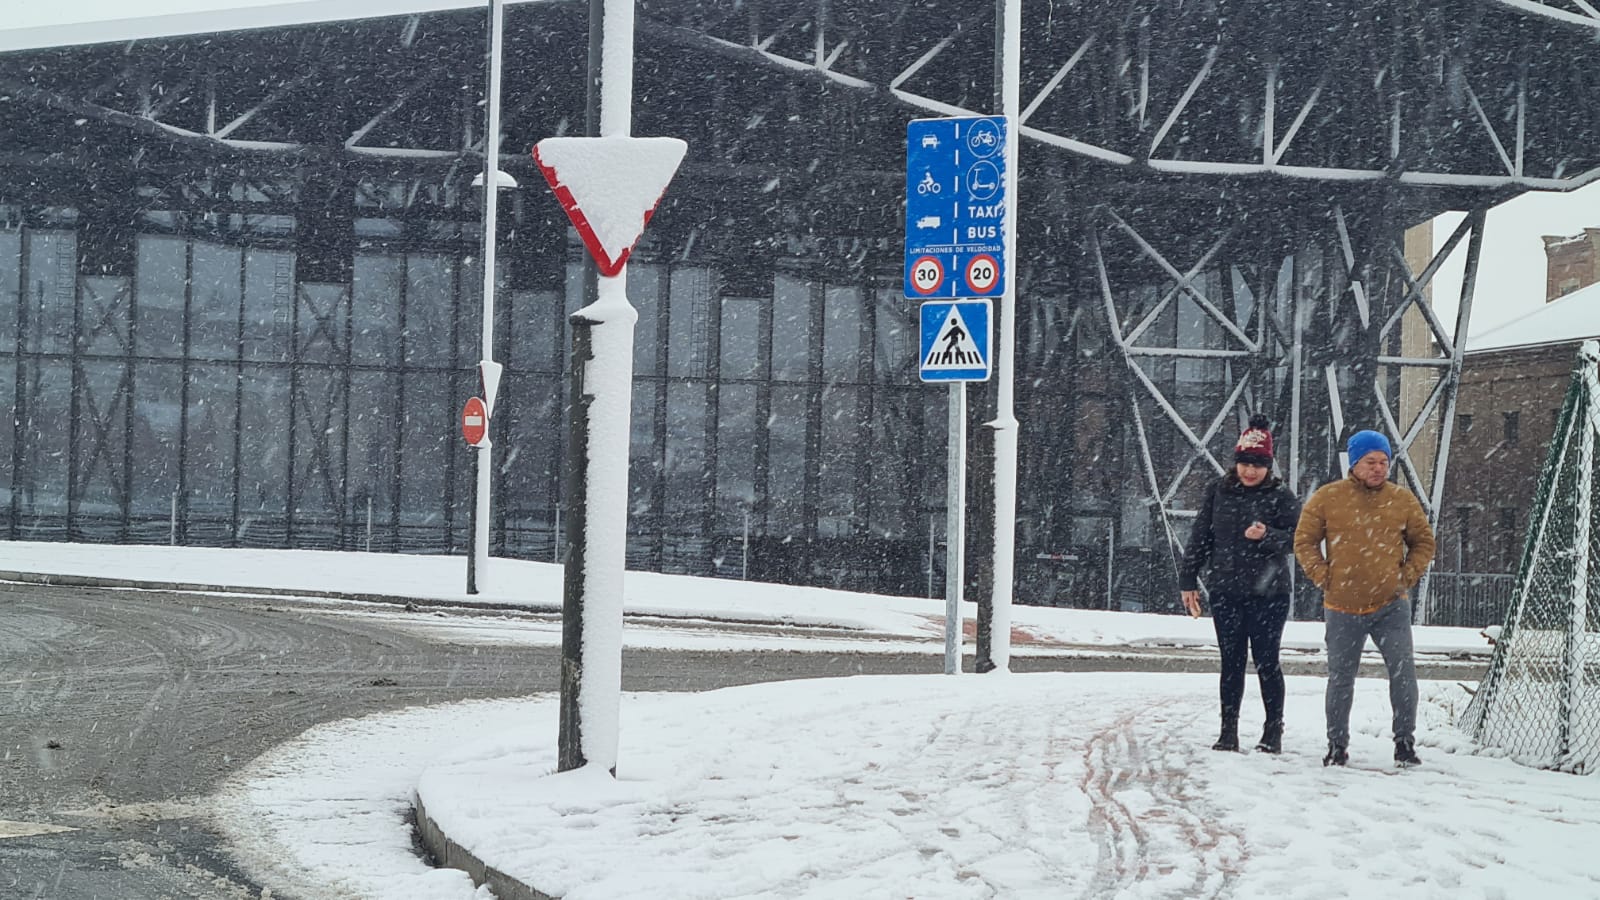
[
  {"x": 1512, "y": 385},
  {"x": 1573, "y": 262}
]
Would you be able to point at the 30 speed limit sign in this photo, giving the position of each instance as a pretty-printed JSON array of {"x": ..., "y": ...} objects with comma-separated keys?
[
  {"x": 927, "y": 274},
  {"x": 983, "y": 273}
]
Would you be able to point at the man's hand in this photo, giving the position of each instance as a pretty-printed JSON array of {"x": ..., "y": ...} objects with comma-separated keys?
[
  {"x": 1191, "y": 602},
  {"x": 1256, "y": 531}
]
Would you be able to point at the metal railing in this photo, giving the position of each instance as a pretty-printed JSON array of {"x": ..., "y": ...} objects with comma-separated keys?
[{"x": 1469, "y": 599}]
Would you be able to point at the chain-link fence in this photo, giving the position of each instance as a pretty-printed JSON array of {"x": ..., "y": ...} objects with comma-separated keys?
[{"x": 1540, "y": 702}]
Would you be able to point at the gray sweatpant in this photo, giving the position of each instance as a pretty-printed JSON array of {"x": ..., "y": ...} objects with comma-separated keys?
[{"x": 1390, "y": 629}]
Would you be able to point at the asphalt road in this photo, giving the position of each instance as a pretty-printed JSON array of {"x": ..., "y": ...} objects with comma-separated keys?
[{"x": 121, "y": 711}]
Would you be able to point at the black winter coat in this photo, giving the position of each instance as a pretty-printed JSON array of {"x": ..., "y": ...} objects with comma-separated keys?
[{"x": 1237, "y": 565}]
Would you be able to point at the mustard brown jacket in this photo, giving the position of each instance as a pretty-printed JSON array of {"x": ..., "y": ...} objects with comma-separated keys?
[{"x": 1378, "y": 544}]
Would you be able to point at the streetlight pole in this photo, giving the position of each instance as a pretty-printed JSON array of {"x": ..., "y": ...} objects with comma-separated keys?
[{"x": 492, "y": 180}]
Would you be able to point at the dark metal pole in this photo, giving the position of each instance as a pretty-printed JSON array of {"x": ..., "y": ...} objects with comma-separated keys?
[
  {"x": 983, "y": 653},
  {"x": 570, "y": 740}
]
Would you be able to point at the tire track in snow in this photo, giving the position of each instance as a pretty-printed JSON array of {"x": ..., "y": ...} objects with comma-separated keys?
[{"x": 1156, "y": 838}]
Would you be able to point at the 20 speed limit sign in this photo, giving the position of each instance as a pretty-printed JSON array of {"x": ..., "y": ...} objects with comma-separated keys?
[
  {"x": 927, "y": 274},
  {"x": 983, "y": 273}
]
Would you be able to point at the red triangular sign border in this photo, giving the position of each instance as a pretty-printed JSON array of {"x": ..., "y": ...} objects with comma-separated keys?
[{"x": 615, "y": 152}]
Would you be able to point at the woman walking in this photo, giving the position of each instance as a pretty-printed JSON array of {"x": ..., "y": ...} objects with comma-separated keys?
[{"x": 1242, "y": 538}]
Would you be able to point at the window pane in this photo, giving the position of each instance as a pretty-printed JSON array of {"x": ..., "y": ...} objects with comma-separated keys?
[
  {"x": 214, "y": 303},
  {"x": 319, "y": 436},
  {"x": 736, "y": 456},
  {"x": 791, "y": 329},
  {"x": 263, "y": 449},
  {"x": 8, "y": 434},
  {"x": 741, "y": 339},
  {"x": 375, "y": 309},
  {"x": 687, "y": 485},
  {"x": 107, "y": 304},
  {"x": 268, "y": 304},
  {"x": 468, "y": 309},
  {"x": 427, "y": 425},
  {"x": 896, "y": 440},
  {"x": 50, "y": 291},
  {"x": 841, "y": 435},
  {"x": 322, "y": 325},
  {"x": 689, "y": 335},
  {"x": 157, "y": 426},
  {"x": 210, "y": 464},
  {"x": 895, "y": 357},
  {"x": 429, "y": 310},
  {"x": 644, "y": 292},
  {"x": 372, "y": 433},
  {"x": 99, "y": 462},
  {"x": 786, "y": 478},
  {"x": 163, "y": 272},
  {"x": 841, "y": 334},
  {"x": 536, "y": 325},
  {"x": 528, "y": 475},
  {"x": 644, "y": 454},
  {"x": 10, "y": 286},
  {"x": 46, "y": 449}
]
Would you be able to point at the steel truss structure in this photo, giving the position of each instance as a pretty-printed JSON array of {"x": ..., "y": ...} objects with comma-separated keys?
[{"x": 1215, "y": 194}]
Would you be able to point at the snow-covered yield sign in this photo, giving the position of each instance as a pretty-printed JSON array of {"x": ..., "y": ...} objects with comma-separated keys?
[
  {"x": 955, "y": 340},
  {"x": 609, "y": 188}
]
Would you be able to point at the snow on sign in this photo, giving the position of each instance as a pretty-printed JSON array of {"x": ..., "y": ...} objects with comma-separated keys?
[
  {"x": 609, "y": 188},
  {"x": 955, "y": 340}
]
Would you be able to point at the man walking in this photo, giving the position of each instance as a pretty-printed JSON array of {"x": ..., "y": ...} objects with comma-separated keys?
[{"x": 1365, "y": 542}]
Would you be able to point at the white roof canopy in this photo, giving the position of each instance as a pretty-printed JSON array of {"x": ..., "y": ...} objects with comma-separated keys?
[
  {"x": 32, "y": 24},
  {"x": 1568, "y": 319}
]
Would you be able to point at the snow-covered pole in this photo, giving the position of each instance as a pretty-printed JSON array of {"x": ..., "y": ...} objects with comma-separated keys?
[
  {"x": 1573, "y": 656},
  {"x": 591, "y": 693},
  {"x": 1008, "y": 93},
  {"x": 488, "y": 370},
  {"x": 608, "y": 184}
]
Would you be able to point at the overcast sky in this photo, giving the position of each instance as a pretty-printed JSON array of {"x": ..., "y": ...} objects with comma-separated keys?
[{"x": 1511, "y": 274}]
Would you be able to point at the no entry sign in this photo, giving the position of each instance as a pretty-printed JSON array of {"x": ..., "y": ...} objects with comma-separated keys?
[{"x": 474, "y": 421}]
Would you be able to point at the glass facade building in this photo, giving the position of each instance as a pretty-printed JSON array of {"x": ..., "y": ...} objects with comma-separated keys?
[{"x": 240, "y": 292}]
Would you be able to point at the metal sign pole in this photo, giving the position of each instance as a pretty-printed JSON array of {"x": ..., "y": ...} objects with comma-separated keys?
[
  {"x": 955, "y": 507},
  {"x": 488, "y": 369},
  {"x": 1008, "y": 41}
]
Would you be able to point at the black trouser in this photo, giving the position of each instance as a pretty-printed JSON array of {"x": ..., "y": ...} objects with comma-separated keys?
[{"x": 1245, "y": 622}]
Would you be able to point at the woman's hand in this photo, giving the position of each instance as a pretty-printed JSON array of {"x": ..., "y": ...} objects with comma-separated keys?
[
  {"x": 1191, "y": 602},
  {"x": 1256, "y": 531}
]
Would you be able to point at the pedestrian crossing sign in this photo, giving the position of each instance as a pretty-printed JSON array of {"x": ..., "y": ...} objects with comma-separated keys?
[{"x": 955, "y": 340}]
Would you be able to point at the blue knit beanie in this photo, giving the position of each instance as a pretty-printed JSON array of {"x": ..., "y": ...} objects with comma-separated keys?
[{"x": 1363, "y": 442}]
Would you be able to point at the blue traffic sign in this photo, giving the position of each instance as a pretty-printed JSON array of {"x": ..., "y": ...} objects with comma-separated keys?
[
  {"x": 955, "y": 341},
  {"x": 955, "y": 207}
]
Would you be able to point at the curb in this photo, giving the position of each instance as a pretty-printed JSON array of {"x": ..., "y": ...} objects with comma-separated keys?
[
  {"x": 56, "y": 579},
  {"x": 451, "y": 855},
  {"x": 190, "y": 587}
]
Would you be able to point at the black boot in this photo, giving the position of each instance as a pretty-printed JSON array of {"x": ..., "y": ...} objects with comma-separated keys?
[
  {"x": 1405, "y": 753},
  {"x": 1229, "y": 739},
  {"x": 1271, "y": 737},
  {"x": 1336, "y": 755}
]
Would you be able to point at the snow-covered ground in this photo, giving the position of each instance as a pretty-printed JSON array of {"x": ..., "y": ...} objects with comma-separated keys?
[{"x": 1099, "y": 785}]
